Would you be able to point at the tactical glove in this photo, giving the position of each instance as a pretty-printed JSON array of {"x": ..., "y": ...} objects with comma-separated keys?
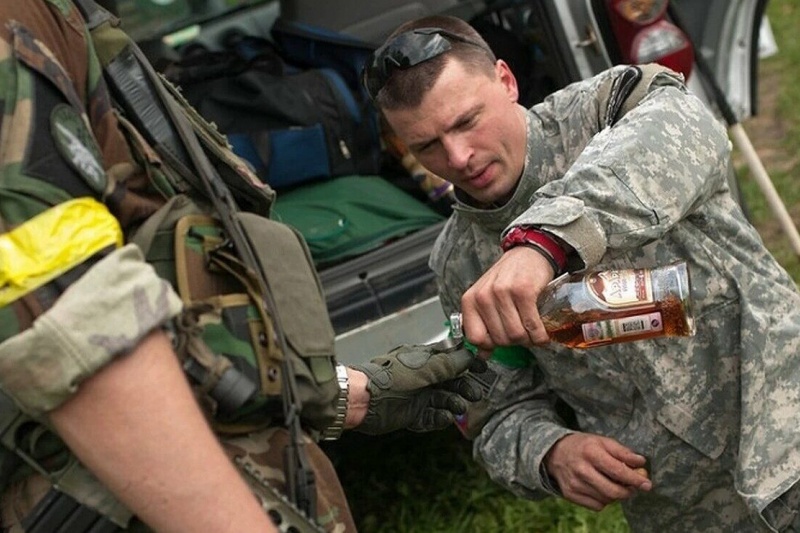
[{"x": 420, "y": 388}]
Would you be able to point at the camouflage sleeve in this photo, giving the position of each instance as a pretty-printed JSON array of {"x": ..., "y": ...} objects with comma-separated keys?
[
  {"x": 518, "y": 419},
  {"x": 103, "y": 314},
  {"x": 520, "y": 431},
  {"x": 665, "y": 156}
]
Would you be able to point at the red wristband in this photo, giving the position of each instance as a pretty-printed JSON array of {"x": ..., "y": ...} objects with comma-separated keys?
[{"x": 521, "y": 236}]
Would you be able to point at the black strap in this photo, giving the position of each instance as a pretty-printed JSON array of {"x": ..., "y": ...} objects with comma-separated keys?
[
  {"x": 620, "y": 91},
  {"x": 132, "y": 71},
  {"x": 299, "y": 474},
  {"x": 93, "y": 13},
  {"x": 135, "y": 95},
  {"x": 58, "y": 512},
  {"x": 301, "y": 486},
  {"x": 134, "y": 92}
]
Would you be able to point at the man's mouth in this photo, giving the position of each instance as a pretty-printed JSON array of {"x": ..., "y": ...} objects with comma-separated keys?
[{"x": 480, "y": 179}]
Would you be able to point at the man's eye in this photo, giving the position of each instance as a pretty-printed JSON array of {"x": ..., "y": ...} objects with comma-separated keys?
[
  {"x": 467, "y": 123},
  {"x": 426, "y": 148}
]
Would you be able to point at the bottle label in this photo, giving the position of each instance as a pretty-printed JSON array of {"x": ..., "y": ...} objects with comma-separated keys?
[
  {"x": 621, "y": 288},
  {"x": 602, "y": 330}
]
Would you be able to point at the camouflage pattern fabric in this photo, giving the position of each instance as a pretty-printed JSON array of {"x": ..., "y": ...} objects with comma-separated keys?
[
  {"x": 263, "y": 451},
  {"x": 716, "y": 414},
  {"x": 42, "y": 366},
  {"x": 40, "y": 169},
  {"x": 60, "y": 139}
]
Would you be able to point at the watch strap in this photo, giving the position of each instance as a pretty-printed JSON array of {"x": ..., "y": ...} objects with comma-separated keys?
[
  {"x": 334, "y": 430},
  {"x": 541, "y": 242}
]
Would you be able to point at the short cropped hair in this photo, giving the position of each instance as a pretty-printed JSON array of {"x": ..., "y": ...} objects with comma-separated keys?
[{"x": 406, "y": 88}]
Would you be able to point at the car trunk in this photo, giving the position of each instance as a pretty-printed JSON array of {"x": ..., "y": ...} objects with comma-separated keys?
[{"x": 387, "y": 295}]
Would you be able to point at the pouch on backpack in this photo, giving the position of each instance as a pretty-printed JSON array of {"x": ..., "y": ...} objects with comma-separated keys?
[{"x": 226, "y": 338}]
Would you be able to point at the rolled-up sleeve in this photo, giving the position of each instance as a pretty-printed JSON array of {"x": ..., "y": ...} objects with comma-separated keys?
[{"x": 103, "y": 314}]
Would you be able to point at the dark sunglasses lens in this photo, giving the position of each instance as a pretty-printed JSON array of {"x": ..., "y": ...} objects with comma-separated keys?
[{"x": 404, "y": 51}]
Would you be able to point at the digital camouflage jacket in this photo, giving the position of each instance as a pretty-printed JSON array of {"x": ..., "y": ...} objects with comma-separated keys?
[{"x": 648, "y": 191}]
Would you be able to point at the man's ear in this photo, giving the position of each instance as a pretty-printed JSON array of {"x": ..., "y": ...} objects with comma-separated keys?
[{"x": 507, "y": 78}]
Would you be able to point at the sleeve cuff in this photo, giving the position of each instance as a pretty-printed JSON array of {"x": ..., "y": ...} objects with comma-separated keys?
[
  {"x": 565, "y": 218},
  {"x": 541, "y": 242}
]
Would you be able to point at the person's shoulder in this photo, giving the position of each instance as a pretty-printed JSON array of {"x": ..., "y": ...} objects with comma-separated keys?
[
  {"x": 599, "y": 79},
  {"x": 591, "y": 88},
  {"x": 37, "y": 24},
  {"x": 645, "y": 75}
]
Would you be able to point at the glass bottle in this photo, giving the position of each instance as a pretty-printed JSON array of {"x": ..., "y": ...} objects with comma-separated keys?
[{"x": 608, "y": 306}]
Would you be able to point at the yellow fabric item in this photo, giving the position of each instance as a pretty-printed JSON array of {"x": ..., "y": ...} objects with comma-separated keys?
[{"x": 51, "y": 243}]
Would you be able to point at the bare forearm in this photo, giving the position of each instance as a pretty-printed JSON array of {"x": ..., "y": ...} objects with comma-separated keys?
[
  {"x": 357, "y": 398},
  {"x": 137, "y": 427}
]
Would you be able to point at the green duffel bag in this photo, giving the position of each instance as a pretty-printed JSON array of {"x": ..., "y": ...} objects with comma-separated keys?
[{"x": 351, "y": 215}]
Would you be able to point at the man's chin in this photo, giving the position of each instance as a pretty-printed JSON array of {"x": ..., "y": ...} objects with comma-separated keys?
[{"x": 479, "y": 198}]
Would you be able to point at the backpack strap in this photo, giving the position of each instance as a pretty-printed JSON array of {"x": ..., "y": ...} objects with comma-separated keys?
[
  {"x": 93, "y": 13},
  {"x": 620, "y": 91},
  {"x": 632, "y": 85}
]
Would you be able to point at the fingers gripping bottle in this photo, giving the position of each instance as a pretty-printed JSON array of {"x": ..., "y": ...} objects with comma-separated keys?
[{"x": 610, "y": 306}]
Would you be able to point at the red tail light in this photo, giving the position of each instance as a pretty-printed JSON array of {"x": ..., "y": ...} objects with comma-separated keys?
[{"x": 644, "y": 35}]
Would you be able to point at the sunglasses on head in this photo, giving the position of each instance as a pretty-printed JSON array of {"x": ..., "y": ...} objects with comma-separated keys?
[{"x": 406, "y": 50}]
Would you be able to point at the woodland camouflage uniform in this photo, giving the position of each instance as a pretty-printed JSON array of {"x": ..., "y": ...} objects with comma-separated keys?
[
  {"x": 717, "y": 415},
  {"x": 60, "y": 140}
]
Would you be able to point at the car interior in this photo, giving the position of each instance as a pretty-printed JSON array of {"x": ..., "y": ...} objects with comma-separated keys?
[{"x": 385, "y": 280}]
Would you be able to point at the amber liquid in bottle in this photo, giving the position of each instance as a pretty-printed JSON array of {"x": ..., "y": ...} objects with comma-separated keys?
[
  {"x": 614, "y": 306},
  {"x": 611, "y": 306}
]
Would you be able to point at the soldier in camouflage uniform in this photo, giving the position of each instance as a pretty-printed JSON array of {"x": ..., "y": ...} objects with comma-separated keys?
[
  {"x": 624, "y": 170},
  {"x": 84, "y": 349}
]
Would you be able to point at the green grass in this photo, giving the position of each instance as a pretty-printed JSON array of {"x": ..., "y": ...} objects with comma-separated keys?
[
  {"x": 430, "y": 484},
  {"x": 425, "y": 483}
]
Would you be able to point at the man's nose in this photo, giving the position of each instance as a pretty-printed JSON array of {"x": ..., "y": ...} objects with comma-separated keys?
[{"x": 458, "y": 152}]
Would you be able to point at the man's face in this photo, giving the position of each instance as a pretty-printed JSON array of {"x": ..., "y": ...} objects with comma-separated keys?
[{"x": 469, "y": 130}]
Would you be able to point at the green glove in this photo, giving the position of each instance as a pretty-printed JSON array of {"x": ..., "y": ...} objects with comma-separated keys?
[{"x": 420, "y": 388}]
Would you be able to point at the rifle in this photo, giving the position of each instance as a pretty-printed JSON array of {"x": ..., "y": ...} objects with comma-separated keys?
[{"x": 57, "y": 511}]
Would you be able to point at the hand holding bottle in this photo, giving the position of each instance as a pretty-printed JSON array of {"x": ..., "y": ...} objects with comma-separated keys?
[
  {"x": 501, "y": 309},
  {"x": 581, "y": 311}
]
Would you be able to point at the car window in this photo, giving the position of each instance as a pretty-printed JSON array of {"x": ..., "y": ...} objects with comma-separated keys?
[{"x": 151, "y": 19}]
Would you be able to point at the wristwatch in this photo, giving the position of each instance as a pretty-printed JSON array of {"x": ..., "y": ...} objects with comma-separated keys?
[
  {"x": 334, "y": 431},
  {"x": 539, "y": 240}
]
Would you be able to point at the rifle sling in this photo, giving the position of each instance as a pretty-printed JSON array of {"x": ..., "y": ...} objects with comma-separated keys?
[{"x": 299, "y": 474}]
